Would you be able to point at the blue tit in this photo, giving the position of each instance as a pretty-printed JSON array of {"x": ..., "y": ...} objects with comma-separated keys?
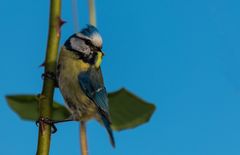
[{"x": 80, "y": 78}]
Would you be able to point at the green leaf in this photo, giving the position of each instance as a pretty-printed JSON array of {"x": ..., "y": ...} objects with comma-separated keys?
[
  {"x": 26, "y": 106},
  {"x": 128, "y": 110}
]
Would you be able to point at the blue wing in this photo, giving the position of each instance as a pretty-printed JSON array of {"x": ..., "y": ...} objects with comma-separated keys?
[{"x": 92, "y": 84}]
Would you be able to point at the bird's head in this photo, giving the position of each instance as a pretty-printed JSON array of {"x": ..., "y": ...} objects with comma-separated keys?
[
  {"x": 86, "y": 41},
  {"x": 87, "y": 44},
  {"x": 91, "y": 33}
]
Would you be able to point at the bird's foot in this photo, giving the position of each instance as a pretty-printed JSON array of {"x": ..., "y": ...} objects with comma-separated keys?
[
  {"x": 48, "y": 121},
  {"x": 51, "y": 76}
]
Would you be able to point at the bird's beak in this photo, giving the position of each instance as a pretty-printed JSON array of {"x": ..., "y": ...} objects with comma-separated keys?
[{"x": 102, "y": 52}]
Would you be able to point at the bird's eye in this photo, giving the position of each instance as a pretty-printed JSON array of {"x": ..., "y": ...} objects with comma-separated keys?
[{"x": 88, "y": 42}]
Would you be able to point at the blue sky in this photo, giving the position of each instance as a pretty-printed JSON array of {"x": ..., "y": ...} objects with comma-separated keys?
[{"x": 181, "y": 55}]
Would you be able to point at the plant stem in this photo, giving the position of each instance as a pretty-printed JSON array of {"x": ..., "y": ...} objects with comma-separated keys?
[
  {"x": 46, "y": 97},
  {"x": 83, "y": 138},
  {"x": 83, "y": 131},
  {"x": 92, "y": 12}
]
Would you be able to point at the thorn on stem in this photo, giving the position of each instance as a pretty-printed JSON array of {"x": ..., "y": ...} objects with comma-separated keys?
[
  {"x": 42, "y": 65},
  {"x": 60, "y": 24}
]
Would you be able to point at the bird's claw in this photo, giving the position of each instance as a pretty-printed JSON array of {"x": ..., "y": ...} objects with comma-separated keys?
[
  {"x": 51, "y": 76},
  {"x": 49, "y": 122}
]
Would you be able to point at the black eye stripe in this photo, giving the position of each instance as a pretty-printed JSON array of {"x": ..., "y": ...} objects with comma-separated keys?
[
  {"x": 89, "y": 43},
  {"x": 93, "y": 48}
]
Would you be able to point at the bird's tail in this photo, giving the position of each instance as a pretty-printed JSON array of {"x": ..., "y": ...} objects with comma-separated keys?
[{"x": 107, "y": 124}]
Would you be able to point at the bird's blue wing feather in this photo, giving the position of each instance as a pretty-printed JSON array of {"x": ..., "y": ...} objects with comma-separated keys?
[{"x": 91, "y": 83}]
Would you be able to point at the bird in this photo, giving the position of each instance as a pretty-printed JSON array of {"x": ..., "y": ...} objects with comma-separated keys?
[{"x": 80, "y": 78}]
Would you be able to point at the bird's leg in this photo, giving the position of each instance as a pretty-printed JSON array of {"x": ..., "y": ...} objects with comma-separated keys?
[
  {"x": 52, "y": 122},
  {"x": 47, "y": 121},
  {"x": 51, "y": 76}
]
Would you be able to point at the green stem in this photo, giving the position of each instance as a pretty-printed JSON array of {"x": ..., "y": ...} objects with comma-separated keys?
[
  {"x": 92, "y": 12},
  {"x": 83, "y": 138},
  {"x": 46, "y": 97}
]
